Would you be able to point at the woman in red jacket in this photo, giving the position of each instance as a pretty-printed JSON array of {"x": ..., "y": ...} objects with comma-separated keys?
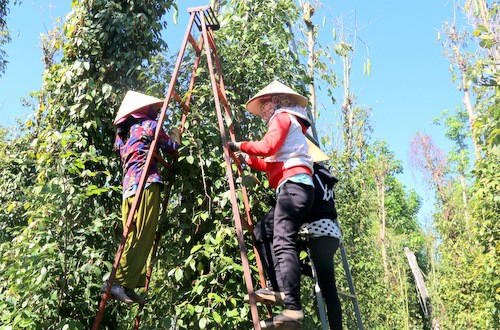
[{"x": 283, "y": 155}]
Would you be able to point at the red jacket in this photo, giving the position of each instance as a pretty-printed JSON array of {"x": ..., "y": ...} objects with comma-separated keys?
[{"x": 273, "y": 141}]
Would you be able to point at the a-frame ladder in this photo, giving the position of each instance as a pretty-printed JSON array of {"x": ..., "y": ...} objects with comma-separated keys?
[{"x": 205, "y": 21}]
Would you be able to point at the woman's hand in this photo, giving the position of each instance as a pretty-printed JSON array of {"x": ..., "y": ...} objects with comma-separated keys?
[{"x": 235, "y": 146}]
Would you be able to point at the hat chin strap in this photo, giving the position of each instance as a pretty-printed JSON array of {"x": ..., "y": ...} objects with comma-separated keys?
[{"x": 297, "y": 111}]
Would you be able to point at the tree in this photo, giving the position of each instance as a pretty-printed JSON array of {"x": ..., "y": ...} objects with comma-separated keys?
[
  {"x": 4, "y": 34},
  {"x": 476, "y": 70},
  {"x": 431, "y": 161},
  {"x": 68, "y": 202},
  {"x": 308, "y": 12},
  {"x": 459, "y": 157},
  {"x": 467, "y": 221},
  {"x": 382, "y": 164}
]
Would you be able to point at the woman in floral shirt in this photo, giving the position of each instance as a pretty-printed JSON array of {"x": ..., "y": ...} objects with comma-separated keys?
[{"x": 136, "y": 125}]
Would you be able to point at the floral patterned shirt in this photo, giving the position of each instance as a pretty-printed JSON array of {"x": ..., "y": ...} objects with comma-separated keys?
[{"x": 134, "y": 151}]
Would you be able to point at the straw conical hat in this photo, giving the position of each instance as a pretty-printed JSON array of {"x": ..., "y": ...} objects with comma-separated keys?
[
  {"x": 317, "y": 154},
  {"x": 253, "y": 105},
  {"x": 135, "y": 102}
]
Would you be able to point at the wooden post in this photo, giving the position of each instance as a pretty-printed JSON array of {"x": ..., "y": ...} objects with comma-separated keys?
[{"x": 425, "y": 301}]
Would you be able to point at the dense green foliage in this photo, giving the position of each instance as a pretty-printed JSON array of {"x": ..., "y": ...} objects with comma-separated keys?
[
  {"x": 60, "y": 184},
  {"x": 57, "y": 248},
  {"x": 466, "y": 274},
  {"x": 4, "y": 34}
]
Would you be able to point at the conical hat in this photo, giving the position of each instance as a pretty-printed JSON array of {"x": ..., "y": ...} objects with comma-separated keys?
[
  {"x": 135, "y": 102},
  {"x": 317, "y": 154},
  {"x": 253, "y": 105}
]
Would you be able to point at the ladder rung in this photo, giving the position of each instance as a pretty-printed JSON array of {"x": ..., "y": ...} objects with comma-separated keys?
[
  {"x": 183, "y": 105},
  {"x": 247, "y": 226},
  {"x": 222, "y": 96},
  {"x": 211, "y": 21},
  {"x": 194, "y": 44},
  {"x": 211, "y": 42},
  {"x": 347, "y": 295}
]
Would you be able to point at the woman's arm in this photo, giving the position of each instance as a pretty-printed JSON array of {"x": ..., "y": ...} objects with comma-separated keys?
[
  {"x": 257, "y": 163},
  {"x": 165, "y": 143},
  {"x": 272, "y": 140}
]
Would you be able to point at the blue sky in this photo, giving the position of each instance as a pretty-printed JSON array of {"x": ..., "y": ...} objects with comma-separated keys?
[
  {"x": 410, "y": 83},
  {"x": 408, "y": 87}
]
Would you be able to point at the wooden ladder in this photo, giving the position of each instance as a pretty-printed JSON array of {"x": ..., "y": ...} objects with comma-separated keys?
[{"x": 205, "y": 21}]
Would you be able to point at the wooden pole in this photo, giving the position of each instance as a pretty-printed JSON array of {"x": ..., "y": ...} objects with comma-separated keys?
[{"x": 425, "y": 301}]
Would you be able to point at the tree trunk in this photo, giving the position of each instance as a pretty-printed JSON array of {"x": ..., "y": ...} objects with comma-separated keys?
[
  {"x": 308, "y": 12},
  {"x": 380, "y": 186},
  {"x": 465, "y": 199},
  {"x": 470, "y": 111},
  {"x": 347, "y": 110},
  {"x": 383, "y": 219}
]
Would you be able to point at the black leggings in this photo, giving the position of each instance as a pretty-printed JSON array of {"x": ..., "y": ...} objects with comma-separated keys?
[
  {"x": 276, "y": 240},
  {"x": 322, "y": 250}
]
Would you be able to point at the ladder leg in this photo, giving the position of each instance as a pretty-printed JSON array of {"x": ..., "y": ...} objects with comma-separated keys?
[
  {"x": 106, "y": 295},
  {"x": 319, "y": 295},
  {"x": 148, "y": 278},
  {"x": 249, "y": 224},
  {"x": 351, "y": 285},
  {"x": 231, "y": 181}
]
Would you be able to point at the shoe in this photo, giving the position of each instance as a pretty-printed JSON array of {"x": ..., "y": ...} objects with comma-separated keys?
[
  {"x": 118, "y": 292},
  {"x": 134, "y": 296},
  {"x": 265, "y": 295},
  {"x": 288, "y": 319}
]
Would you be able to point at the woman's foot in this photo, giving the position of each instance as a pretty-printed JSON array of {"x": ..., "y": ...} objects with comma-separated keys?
[
  {"x": 265, "y": 295},
  {"x": 134, "y": 296},
  {"x": 288, "y": 319},
  {"x": 124, "y": 294},
  {"x": 118, "y": 292}
]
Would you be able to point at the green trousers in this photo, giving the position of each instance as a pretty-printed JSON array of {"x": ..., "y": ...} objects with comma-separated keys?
[{"x": 131, "y": 272}]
